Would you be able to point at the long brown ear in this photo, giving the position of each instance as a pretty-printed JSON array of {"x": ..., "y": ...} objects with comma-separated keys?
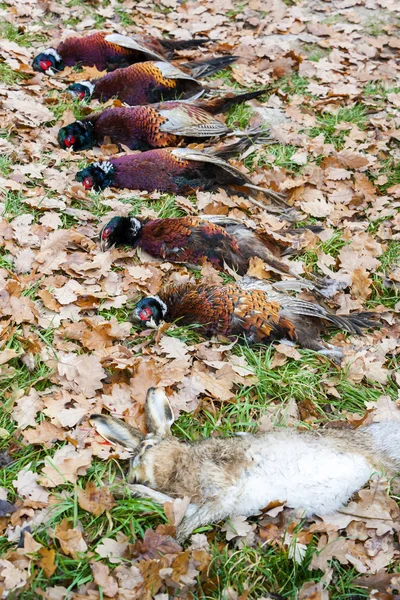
[
  {"x": 159, "y": 415},
  {"x": 116, "y": 431}
]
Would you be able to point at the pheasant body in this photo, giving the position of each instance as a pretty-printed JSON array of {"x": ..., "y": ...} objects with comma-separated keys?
[
  {"x": 142, "y": 127},
  {"x": 176, "y": 170},
  {"x": 107, "y": 51},
  {"x": 149, "y": 82},
  {"x": 143, "y": 83},
  {"x": 163, "y": 170},
  {"x": 228, "y": 311},
  {"x": 250, "y": 309},
  {"x": 95, "y": 51},
  {"x": 156, "y": 126},
  {"x": 192, "y": 240}
]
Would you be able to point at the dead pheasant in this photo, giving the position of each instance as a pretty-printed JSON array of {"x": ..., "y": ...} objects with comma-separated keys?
[
  {"x": 251, "y": 309},
  {"x": 108, "y": 51},
  {"x": 155, "y": 126},
  {"x": 193, "y": 240},
  {"x": 150, "y": 82},
  {"x": 177, "y": 171}
]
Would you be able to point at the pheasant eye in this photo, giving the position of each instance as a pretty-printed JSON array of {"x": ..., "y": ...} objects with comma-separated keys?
[
  {"x": 145, "y": 314},
  {"x": 87, "y": 183},
  {"x": 106, "y": 233},
  {"x": 45, "y": 64},
  {"x": 81, "y": 95}
]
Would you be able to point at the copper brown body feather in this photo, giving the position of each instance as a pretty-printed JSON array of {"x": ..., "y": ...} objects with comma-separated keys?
[
  {"x": 151, "y": 82},
  {"x": 250, "y": 309},
  {"x": 143, "y": 83},
  {"x": 107, "y": 51},
  {"x": 193, "y": 240},
  {"x": 228, "y": 311}
]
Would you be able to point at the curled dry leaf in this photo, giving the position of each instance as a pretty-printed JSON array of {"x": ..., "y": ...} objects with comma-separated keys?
[
  {"x": 66, "y": 464},
  {"x": 70, "y": 538},
  {"x": 95, "y": 500},
  {"x": 101, "y": 576}
]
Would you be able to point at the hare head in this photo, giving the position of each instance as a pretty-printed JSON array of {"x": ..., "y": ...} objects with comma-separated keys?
[{"x": 159, "y": 418}]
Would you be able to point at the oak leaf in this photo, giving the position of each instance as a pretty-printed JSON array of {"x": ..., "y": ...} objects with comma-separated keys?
[
  {"x": 66, "y": 464},
  {"x": 95, "y": 500},
  {"x": 70, "y": 538},
  {"x": 101, "y": 576}
]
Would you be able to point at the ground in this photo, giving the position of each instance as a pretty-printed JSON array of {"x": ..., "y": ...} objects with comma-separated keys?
[{"x": 332, "y": 100}]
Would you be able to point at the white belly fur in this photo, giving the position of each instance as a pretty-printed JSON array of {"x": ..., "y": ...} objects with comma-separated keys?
[{"x": 313, "y": 476}]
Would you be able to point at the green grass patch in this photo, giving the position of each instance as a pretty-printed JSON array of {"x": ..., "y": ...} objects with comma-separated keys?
[
  {"x": 390, "y": 167},
  {"x": 385, "y": 292},
  {"x": 331, "y": 247},
  {"x": 19, "y": 35},
  {"x": 239, "y": 115},
  {"x": 314, "y": 52},
  {"x": 5, "y": 165},
  {"x": 10, "y": 77},
  {"x": 282, "y": 154},
  {"x": 293, "y": 84},
  {"x": 331, "y": 124}
]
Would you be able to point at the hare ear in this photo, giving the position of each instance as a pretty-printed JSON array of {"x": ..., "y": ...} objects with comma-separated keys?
[
  {"x": 159, "y": 415},
  {"x": 116, "y": 431}
]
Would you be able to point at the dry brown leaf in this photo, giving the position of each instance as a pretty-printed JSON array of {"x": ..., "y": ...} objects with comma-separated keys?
[
  {"x": 44, "y": 434},
  {"x": 47, "y": 562},
  {"x": 236, "y": 527},
  {"x": 113, "y": 550},
  {"x": 66, "y": 464},
  {"x": 95, "y": 500},
  {"x": 101, "y": 576},
  {"x": 70, "y": 538},
  {"x": 27, "y": 486},
  {"x": 27, "y": 110},
  {"x": 176, "y": 510}
]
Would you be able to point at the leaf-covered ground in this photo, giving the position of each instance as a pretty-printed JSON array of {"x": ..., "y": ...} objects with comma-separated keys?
[{"x": 331, "y": 70}]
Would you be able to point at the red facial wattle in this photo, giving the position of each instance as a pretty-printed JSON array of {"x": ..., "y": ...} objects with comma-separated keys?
[
  {"x": 81, "y": 95},
  {"x": 69, "y": 141},
  {"x": 106, "y": 233},
  {"x": 145, "y": 314},
  {"x": 87, "y": 183},
  {"x": 45, "y": 64}
]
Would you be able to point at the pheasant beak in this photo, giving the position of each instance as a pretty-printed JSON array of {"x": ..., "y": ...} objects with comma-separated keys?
[
  {"x": 105, "y": 239},
  {"x": 105, "y": 245}
]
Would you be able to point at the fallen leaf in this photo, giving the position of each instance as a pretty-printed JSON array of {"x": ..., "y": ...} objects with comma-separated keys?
[
  {"x": 95, "y": 500},
  {"x": 70, "y": 538},
  {"x": 102, "y": 577},
  {"x": 236, "y": 527}
]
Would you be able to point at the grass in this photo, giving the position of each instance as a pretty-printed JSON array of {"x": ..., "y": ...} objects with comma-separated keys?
[
  {"x": 19, "y": 35},
  {"x": 8, "y": 76},
  {"x": 293, "y": 84},
  {"x": 331, "y": 125},
  {"x": 314, "y": 52},
  {"x": 239, "y": 115},
  {"x": 63, "y": 103},
  {"x": 252, "y": 572}
]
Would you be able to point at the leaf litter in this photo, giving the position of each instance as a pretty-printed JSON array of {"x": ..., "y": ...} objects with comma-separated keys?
[{"x": 67, "y": 348}]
